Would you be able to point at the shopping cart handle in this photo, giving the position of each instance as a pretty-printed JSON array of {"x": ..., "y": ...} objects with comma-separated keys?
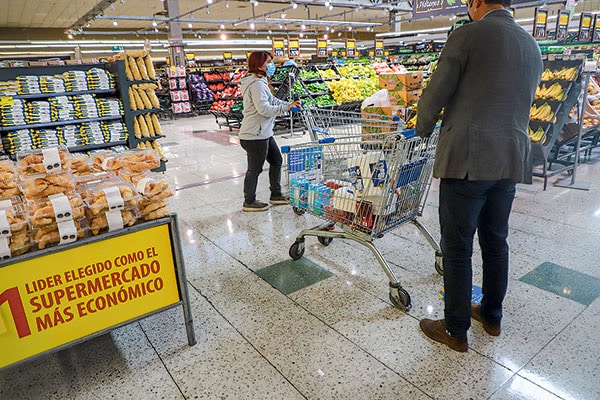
[
  {"x": 285, "y": 149},
  {"x": 295, "y": 109},
  {"x": 327, "y": 140}
]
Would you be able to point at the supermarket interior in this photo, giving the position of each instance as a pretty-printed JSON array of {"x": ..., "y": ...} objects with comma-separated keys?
[{"x": 129, "y": 270}]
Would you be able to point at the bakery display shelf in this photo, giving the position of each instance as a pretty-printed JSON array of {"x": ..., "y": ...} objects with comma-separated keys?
[{"x": 59, "y": 123}]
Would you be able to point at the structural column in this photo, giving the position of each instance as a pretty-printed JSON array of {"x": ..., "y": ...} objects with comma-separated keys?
[{"x": 175, "y": 34}]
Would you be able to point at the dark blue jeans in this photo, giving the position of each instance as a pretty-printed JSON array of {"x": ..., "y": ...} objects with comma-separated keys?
[
  {"x": 466, "y": 207},
  {"x": 257, "y": 152}
]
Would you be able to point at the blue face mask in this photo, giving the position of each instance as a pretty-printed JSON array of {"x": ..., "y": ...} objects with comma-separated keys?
[{"x": 270, "y": 69}]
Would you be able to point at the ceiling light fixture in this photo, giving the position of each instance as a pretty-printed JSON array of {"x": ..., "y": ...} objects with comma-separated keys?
[
  {"x": 115, "y": 23},
  {"x": 330, "y": 7},
  {"x": 154, "y": 24},
  {"x": 227, "y": 4},
  {"x": 294, "y": 6},
  {"x": 209, "y": 1},
  {"x": 339, "y": 34},
  {"x": 327, "y": 4},
  {"x": 303, "y": 27},
  {"x": 70, "y": 36},
  {"x": 223, "y": 36},
  {"x": 283, "y": 15},
  {"x": 301, "y": 34},
  {"x": 252, "y": 25},
  {"x": 325, "y": 36},
  {"x": 222, "y": 26},
  {"x": 190, "y": 25}
]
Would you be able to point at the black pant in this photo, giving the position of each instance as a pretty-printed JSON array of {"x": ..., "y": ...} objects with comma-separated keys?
[
  {"x": 258, "y": 151},
  {"x": 464, "y": 208}
]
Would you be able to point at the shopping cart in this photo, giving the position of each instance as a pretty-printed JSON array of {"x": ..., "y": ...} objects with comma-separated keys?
[
  {"x": 323, "y": 123},
  {"x": 365, "y": 186}
]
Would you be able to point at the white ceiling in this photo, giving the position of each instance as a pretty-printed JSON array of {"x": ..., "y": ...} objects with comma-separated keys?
[{"x": 23, "y": 22}]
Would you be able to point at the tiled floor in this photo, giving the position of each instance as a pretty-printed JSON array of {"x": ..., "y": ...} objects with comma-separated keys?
[{"x": 339, "y": 337}]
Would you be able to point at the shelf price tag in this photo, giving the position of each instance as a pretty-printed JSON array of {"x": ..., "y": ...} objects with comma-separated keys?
[
  {"x": 6, "y": 101},
  {"x": 540, "y": 23},
  {"x": 293, "y": 48},
  {"x": 278, "y": 47},
  {"x": 585, "y": 23},
  {"x": 378, "y": 47},
  {"x": 351, "y": 47},
  {"x": 562, "y": 24},
  {"x": 322, "y": 47}
]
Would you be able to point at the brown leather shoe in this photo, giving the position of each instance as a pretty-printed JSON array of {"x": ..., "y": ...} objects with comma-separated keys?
[
  {"x": 492, "y": 329},
  {"x": 436, "y": 330}
]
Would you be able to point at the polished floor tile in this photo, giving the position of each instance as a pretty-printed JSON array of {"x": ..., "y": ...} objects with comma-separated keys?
[
  {"x": 292, "y": 275},
  {"x": 564, "y": 282},
  {"x": 264, "y": 332}
]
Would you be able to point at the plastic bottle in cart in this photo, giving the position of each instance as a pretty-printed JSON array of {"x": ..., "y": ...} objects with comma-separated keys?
[{"x": 294, "y": 192}]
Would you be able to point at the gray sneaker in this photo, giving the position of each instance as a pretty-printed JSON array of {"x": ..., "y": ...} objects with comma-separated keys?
[{"x": 256, "y": 206}]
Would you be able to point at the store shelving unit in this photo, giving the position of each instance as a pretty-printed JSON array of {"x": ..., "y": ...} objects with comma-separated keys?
[
  {"x": 545, "y": 151},
  {"x": 117, "y": 69}
]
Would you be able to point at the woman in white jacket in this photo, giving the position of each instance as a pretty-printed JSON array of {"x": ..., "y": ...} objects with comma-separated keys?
[{"x": 256, "y": 131}]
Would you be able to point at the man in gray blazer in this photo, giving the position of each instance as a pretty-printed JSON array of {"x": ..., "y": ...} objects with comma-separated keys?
[{"x": 485, "y": 83}]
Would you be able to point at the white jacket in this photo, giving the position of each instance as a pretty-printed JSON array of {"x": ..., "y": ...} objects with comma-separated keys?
[{"x": 260, "y": 108}]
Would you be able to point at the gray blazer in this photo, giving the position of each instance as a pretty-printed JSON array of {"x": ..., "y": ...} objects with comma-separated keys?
[{"x": 485, "y": 80}]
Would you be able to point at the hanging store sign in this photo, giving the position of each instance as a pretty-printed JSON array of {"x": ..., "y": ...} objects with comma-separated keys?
[
  {"x": 596, "y": 30},
  {"x": 227, "y": 57},
  {"x": 434, "y": 8},
  {"x": 512, "y": 11},
  {"x": 378, "y": 47},
  {"x": 351, "y": 48},
  {"x": 322, "y": 48},
  {"x": 540, "y": 24},
  {"x": 293, "y": 48},
  {"x": 585, "y": 24},
  {"x": 278, "y": 47},
  {"x": 562, "y": 24},
  {"x": 63, "y": 296}
]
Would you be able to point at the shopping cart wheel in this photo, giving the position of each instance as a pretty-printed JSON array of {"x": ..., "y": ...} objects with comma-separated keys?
[
  {"x": 298, "y": 211},
  {"x": 439, "y": 263},
  {"x": 325, "y": 241},
  {"x": 400, "y": 298},
  {"x": 297, "y": 250}
]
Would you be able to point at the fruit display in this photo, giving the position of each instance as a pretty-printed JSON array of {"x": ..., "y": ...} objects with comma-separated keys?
[
  {"x": 222, "y": 105},
  {"x": 542, "y": 113},
  {"x": 239, "y": 75},
  {"x": 230, "y": 91},
  {"x": 309, "y": 74},
  {"x": 238, "y": 106},
  {"x": 537, "y": 135},
  {"x": 298, "y": 89},
  {"x": 324, "y": 101},
  {"x": 595, "y": 105},
  {"x": 216, "y": 76},
  {"x": 565, "y": 74},
  {"x": 345, "y": 90},
  {"x": 317, "y": 87},
  {"x": 552, "y": 92},
  {"x": 368, "y": 86},
  {"x": 328, "y": 73},
  {"x": 356, "y": 70}
]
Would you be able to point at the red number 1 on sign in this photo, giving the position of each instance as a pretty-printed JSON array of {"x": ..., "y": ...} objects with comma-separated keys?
[{"x": 16, "y": 308}]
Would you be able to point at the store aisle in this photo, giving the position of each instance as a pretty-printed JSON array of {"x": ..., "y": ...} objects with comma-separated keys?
[{"x": 340, "y": 337}]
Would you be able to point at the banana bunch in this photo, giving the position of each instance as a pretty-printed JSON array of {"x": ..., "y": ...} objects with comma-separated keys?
[
  {"x": 537, "y": 135},
  {"x": 566, "y": 74},
  {"x": 541, "y": 113},
  {"x": 554, "y": 92},
  {"x": 411, "y": 123}
]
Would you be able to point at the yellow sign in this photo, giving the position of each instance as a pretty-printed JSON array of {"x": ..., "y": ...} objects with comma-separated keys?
[
  {"x": 586, "y": 21},
  {"x": 60, "y": 297},
  {"x": 278, "y": 47},
  {"x": 541, "y": 17},
  {"x": 227, "y": 56},
  {"x": 564, "y": 19},
  {"x": 351, "y": 47},
  {"x": 379, "y": 47},
  {"x": 190, "y": 56},
  {"x": 322, "y": 48},
  {"x": 293, "y": 48}
]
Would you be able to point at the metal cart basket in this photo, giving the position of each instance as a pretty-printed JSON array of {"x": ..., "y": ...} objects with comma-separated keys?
[{"x": 364, "y": 185}]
